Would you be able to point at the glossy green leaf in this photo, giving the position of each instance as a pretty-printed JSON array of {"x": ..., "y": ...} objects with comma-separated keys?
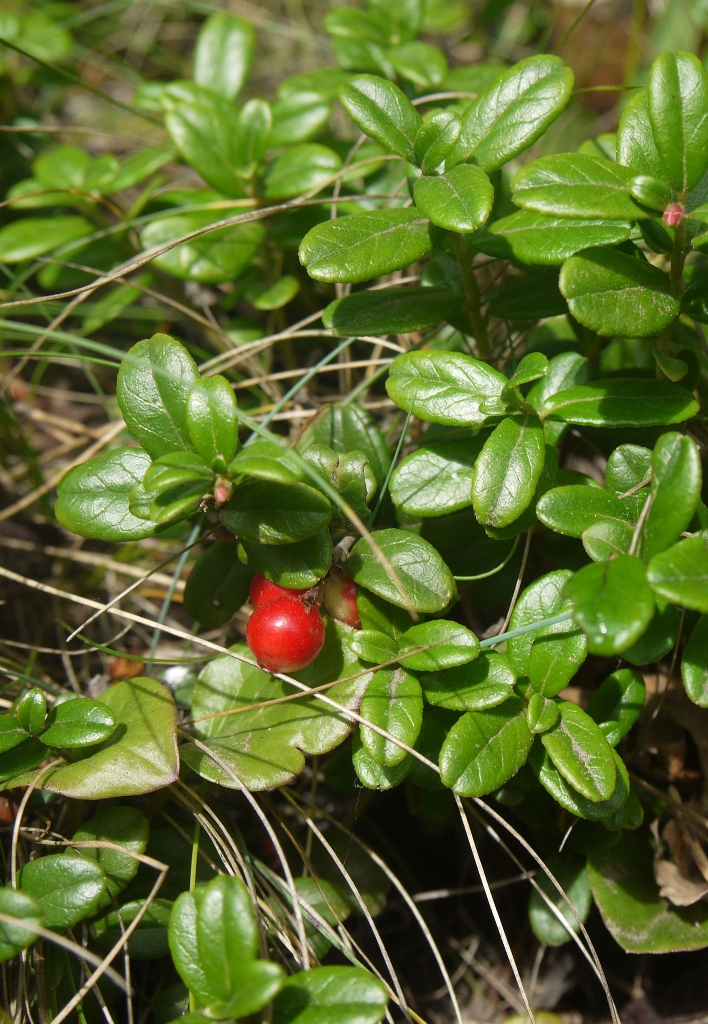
[
  {"x": 265, "y": 747},
  {"x": 348, "y": 428},
  {"x": 175, "y": 503},
  {"x": 370, "y": 645},
  {"x": 449, "y": 644},
  {"x": 651, "y": 192},
  {"x": 604, "y": 540},
  {"x": 581, "y": 753},
  {"x": 176, "y": 468},
  {"x": 272, "y": 295},
  {"x": 383, "y": 112},
  {"x": 628, "y": 466},
  {"x": 300, "y": 169},
  {"x": 513, "y": 111},
  {"x": 267, "y": 460},
  {"x": 613, "y": 293},
  {"x": 435, "y": 138},
  {"x": 557, "y": 652},
  {"x": 216, "y": 256},
  {"x": 617, "y": 703},
  {"x": 694, "y": 665},
  {"x": 11, "y": 733},
  {"x": 68, "y": 888},
  {"x": 212, "y": 421},
  {"x": 576, "y": 185},
  {"x": 533, "y": 366},
  {"x": 630, "y": 402},
  {"x": 483, "y": 683},
  {"x": 351, "y": 23},
  {"x": 636, "y": 147},
  {"x": 486, "y": 748},
  {"x": 547, "y": 240},
  {"x": 446, "y": 387},
  {"x": 393, "y": 701},
  {"x": 680, "y": 574},
  {"x": 675, "y": 492},
  {"x": 213, "y": 938},
  {"x": 338, "y": 995},
  {"x": 31, "y": 237},
  {"x": 677, "y": 95},
  {"x": 62, "y": 167},
  {"x": 255, "y": 121},
  {"x": 298, "y": 117},
  {"x": 659, "y": 638},
  {"x": 22, "y": 757},
  {"x": 224, "y": 53},
  {"x": 365, "y": 245},
  {"x": 78, "y": 722},
  {"x": 139, "y": 757},
  {"x": 458, "y": 200},
  {"x": 627, "y": 896},
  {"x": 93, "y": 498},
  {"x": 612, "y": 603},
  {"x": 136, "y": 167},
  {"x": 31, "y": 710},
  {"x": 295, "y": 566},
  {"x": 571, "y": 872},
  {"x": 28, "y": 911},
  {"x": 325, "y": 82},
  {"x": 569, "y": 798},
  {"x": 217, "y": 586},
  {"x": 437, "y": 478},
  {"x": 551, "y": 656},
  {"x": 275, "y": 513},
  {"x": 542, "y": 713},
  {"x": 352, "y": 477},
  {"x": 122, "y": 826},
  {"x": 390, "y": 311},
  {"x": 205, "y": 128},
  {"x": 507, "y": 470},
  {"x": 374, "y": 775},
  {"x": 152, "y": 390},
  {"x": 423, "y": 575},
  {"x": 575, "y": 508},
  {"x": 423, "y": 65},
  {"x": 564, "y": 372}
]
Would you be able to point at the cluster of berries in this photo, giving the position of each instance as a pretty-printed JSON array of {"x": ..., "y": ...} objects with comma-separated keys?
[{"x": 286, "y": 631}]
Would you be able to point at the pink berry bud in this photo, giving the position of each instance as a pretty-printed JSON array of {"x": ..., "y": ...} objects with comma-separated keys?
[
  {"x": 674, "y": 214},
  {"x": 222, "y": 490}
]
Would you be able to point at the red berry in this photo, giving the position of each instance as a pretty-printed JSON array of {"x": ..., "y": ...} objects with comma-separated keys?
[
  {"x": 263, "y": 590},
  {"x": 285, "y": 634},
  {"x": 340, "y": 600},
  {"x": 674, "y": 214}
]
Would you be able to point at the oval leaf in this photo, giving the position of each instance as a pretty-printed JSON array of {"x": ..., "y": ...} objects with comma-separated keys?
[
  {"x": 458, "y": 200},
  {"x": 365, "y": 245},
  {"x": 613, "y": 293},
  {"x": 424, "y": 576}
]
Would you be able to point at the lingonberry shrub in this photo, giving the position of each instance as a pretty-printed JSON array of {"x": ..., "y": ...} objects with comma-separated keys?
[{"x": 513, "y": 486}]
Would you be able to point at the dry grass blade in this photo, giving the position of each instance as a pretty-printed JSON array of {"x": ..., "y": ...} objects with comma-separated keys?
[
  {"x": 304, "y": 955},
  {"x": 493, "y": 907},
  {"x": 365, "y": 911}
]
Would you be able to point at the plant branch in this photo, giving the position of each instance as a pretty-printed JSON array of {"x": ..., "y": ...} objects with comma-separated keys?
[{"x": 473, "y": 298}]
